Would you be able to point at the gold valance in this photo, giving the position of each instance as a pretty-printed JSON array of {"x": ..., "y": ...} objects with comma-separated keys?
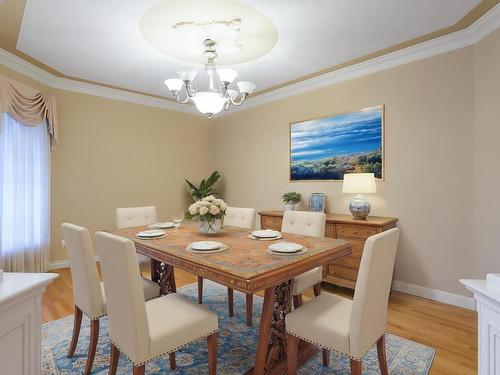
[{"x": 28, "y": 106}]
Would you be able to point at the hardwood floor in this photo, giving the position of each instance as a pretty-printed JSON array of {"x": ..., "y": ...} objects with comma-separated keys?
[{"x": 450, "y": 330}]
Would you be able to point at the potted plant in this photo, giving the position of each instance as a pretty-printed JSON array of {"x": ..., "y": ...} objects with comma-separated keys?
[
  {"x": 291, "y": 200},
  {"x": 210, "y": 211}
]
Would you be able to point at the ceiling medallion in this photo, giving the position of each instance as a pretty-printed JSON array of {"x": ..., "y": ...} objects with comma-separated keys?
[{"x": 213, "y": 100}]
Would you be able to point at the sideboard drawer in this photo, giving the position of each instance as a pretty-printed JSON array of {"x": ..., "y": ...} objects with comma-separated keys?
[
  {"x": 343, "y": 272},
  {"x": 348, "y": 261},
  {"x": 330, "y": 230},
  {"x": 355, "y": 231},
  {"x": 269, "y": 222}
]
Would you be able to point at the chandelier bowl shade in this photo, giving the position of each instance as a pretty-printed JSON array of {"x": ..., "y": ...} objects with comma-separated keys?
[{"x": 209, "y": 103}]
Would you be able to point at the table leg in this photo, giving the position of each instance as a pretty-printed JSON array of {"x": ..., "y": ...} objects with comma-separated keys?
[
  {"x": 272, "y": 345},
  {"x": 163, "y": 274},
  {"x": 271, "y": 348}
]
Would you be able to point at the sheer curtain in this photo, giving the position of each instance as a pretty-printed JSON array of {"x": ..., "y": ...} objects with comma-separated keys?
[{"x": 24, "y": 196}]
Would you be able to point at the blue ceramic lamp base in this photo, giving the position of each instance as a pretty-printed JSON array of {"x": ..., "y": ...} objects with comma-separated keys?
[{"x": 359, "y": 207}]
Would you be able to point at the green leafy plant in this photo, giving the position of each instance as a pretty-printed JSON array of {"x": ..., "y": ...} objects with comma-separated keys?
[
  {"x": 292, "y": 197},
  {"x": 206, "y": 187}
]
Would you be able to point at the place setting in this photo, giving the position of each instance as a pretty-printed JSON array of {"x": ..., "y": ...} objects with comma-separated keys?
[
  {"x": 286, "y": 249},
  {"x": 151, "y": 234},
  {"x": 206, "y": 247},
  {"x": 265, "y": 235}
]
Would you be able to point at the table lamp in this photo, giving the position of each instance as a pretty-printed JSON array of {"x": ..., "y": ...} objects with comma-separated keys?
[{"x": 359, "y": 183}]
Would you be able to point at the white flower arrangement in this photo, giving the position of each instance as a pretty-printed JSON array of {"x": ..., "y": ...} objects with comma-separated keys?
[{"x": 208, "y": 208}]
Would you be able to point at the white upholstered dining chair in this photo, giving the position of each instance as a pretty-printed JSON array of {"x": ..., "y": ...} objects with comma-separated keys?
[
  {"x": 128, "y": 217},
  {"x": 308, "y": 224},
  {"x": 242, "y": 218},
  {"x": 350, "y": 327},
  {"x": 88, "y": 292},
  {"x": 143, "y": 331}
]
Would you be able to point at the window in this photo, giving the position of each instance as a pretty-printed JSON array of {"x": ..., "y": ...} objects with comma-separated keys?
[{"x": 24, "y": 196}]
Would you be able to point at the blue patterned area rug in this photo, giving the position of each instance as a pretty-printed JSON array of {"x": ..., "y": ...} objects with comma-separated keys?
[{"x": 237, "y": 345}]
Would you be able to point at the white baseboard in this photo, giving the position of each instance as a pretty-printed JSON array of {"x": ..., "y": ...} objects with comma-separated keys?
[
  {"x": 63, "y": 264},
  {"x": 435, "y": 294}
]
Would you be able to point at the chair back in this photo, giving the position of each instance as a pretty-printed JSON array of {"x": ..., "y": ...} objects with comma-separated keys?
[
  {"x": 371, "y": 296},
  {"x": 135, "y": 216},
  {"x": 128, "y": 323},
  {"x": 304, "y": 222},
  {"x": 240, "y": 217},
  {"x": 87, "y": 294}
]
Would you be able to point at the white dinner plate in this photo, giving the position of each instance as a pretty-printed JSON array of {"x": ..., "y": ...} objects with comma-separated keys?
[
  {"x": 165, "y": 225},
  {"x": 266, "y": 233},
  {"x": 151, "y": 233},
  {"x": 286, "y": 247},
  {"x": 205, "y": 245}
]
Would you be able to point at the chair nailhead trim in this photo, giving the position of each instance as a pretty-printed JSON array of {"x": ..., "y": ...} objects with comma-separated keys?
[
  {"x": 161, "y": 355},
  {"x": 323, "y": 346}
]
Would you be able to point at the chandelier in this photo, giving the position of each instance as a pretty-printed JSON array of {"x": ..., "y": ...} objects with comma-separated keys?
[{"x": 218, "y": 95}]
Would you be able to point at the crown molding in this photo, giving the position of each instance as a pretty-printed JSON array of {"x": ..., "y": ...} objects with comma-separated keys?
[
  {"x": 450, "y": 42},
  {"x": 463, "y": 38},
  {"x": 19, "y": 65}
]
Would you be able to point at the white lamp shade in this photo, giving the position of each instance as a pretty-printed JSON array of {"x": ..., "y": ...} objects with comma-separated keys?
[
  {"x": 209, "y": 103},
  {"x": 174, "y": 84},
  {"x": 246, "y": 87},
  {"x": 187, "y": 75},
  {"x": 226, "y": 75},
  {"x": 359, "y": 183}
]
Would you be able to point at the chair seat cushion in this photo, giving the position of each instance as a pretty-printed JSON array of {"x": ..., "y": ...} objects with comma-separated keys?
[
  {"x": 174, "y": 322},
  {"x": 151, "y": 290},
  {"x": 306, "y": 280},
  {"x": 323, "y": 321}
]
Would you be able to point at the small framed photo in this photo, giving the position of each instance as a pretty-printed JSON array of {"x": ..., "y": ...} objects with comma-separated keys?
[{"x": 317, "y": 202}]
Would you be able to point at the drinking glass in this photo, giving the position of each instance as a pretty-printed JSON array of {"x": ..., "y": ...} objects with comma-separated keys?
[{"x": 177, "y": 218}]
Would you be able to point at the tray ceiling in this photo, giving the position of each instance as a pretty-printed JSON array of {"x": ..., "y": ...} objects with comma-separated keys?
[{"x": 101, "y": 41}]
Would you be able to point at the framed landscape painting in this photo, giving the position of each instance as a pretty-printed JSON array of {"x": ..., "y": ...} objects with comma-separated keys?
[{"x": 327, "y": 148}]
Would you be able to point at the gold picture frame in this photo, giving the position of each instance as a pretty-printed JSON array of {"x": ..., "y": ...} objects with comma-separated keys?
[{"x": 380, "y": 108}]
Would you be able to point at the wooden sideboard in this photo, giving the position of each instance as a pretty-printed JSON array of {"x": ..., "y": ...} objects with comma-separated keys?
[{"x": 344, "y": 271}]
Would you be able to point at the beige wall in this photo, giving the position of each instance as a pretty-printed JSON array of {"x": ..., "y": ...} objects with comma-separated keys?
[
  {"x": 487, "y": 155},
  {"x": 115, "y": 154},
  {"x": 429, "y": 166}
]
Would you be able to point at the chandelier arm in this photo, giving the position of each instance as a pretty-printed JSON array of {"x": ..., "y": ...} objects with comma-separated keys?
[
  {"x": 238, "y": 102},
  {"x": 178, "y": 98}
]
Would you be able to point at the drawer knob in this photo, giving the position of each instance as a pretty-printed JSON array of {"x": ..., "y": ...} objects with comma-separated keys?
[
  {"x": 355, "y": 232},
  {"x": 341, "y": 229}
]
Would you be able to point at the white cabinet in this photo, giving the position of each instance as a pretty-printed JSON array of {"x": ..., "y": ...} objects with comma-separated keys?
[
  {"x": 487, "y": 295},
  {"x": 20, "y": 322}
]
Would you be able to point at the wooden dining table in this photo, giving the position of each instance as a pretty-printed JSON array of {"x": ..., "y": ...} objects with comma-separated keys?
[{"x": 247, "y": 267}]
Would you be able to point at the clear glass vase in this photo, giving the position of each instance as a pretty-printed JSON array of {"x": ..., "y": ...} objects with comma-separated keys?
[{"x": 209, "y": 227}]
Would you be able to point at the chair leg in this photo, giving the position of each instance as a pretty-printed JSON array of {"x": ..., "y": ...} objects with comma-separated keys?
[
  {"x": 212, "y": 354},
  {"x": 94, "y": 336},
  {"x": 317, "y": 289},
  {"x": 291, "y": 354},
  {"x": 249, "y": 297},
  {"x": 114, "y": 356},
  {"x": 200, "y": 290},
  {"x": 77, "y": 323},
  {"x": 355, "y": 367},
  {"x": 326, "y": 357},
  {"x": 139, "y": 370},
  {"x": 230, "y": 303},
  {"x": 297, "y": 301},
  {"x": 171, "y": 359},
  {"x": 382, "y": 360}
]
